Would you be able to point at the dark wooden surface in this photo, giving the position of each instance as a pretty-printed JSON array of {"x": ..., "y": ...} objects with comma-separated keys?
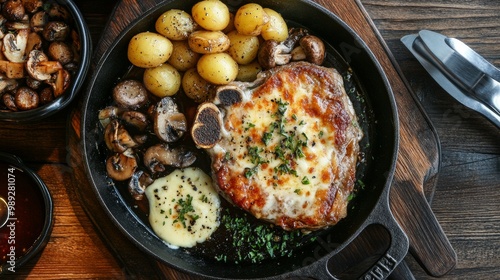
[{"x": 466, "y": 200}]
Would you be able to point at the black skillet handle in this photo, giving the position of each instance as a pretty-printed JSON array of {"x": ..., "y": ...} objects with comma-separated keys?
[
  {"x": 398, "y": 247},
  {"x": 382, "y": 268}
]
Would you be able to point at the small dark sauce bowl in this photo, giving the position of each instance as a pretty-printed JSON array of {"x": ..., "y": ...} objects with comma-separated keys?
[{"x": 30, "y": 214}]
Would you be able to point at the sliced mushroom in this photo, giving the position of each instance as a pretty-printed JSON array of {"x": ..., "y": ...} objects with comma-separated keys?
[
  {"x": 26, "y": 99},
  {"x": 18, "y": 25},
  {"x": 272, "y": 53},
  {"x": 14, "y": 46},
  {"x": 60, "y": 82},
  {"x": 121, "y": 166},
  {"x": 13, "y": 70},
  {"x": 39, "y": 67},
  {"x": 207, "y": 127},
  {"x": 9, "y": 102},
  {"x": 130, "y": 94},
  {"x": 117, "y": 137},
  {"x": 135, "y": 120},
  {"x": 34, "y": 42},
  {"x": 56, "y": 31},
  {"x": 138, "y": 183},
  {"x": 169, "y": 123},
  {"x": 228, "y": 95},
  {"x": 7, "y": 84},
  {"x": 13, "y": 10},
  {"x": 109, "y": 113},
  {"x": 160, "y": 155}
]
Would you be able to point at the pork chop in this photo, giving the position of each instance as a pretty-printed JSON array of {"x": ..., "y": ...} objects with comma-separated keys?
[{"x": 288, "y": 147}]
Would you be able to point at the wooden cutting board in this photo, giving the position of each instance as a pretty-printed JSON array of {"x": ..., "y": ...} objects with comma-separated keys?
[{"x": 416, "y": 171}]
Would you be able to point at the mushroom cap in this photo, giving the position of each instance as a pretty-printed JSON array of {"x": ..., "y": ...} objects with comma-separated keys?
[
  {"x": 314, "y": 49},
  {"x": 130, "y": 94}
]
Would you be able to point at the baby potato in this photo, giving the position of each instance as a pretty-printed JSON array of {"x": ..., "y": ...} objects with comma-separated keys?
[
  {"x": 203, "y": 41},
  {"x": 183, "y": 57},
  {"x": 195, "y": 87},
  {"x": 250, "y": 18},
  {"x": 175, "y": 24},
  {"x": 248, "y": 72},
  {"x": 275, "y": 28},
  {"x": 217, "y": 68},
  {"x": 149, "y": 49},
  {"x": 211, "y": 14},
  {"x": 243, "y": 48},
  {"x": 163, "y": 80}
]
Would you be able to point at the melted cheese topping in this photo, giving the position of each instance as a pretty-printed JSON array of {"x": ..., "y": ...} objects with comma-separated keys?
[
  {"x": 184, "y": 207},
  {"x": 284, "y": 155}
]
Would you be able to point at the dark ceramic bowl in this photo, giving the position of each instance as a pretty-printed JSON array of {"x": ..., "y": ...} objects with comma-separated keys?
[
  {"x": 316, "y": 260},
  {"x": 76, "y": 80},
  {"x": 26, "y": 214}
]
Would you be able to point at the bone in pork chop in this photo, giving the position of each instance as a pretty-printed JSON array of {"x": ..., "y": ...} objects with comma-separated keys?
[{"x": 285, "y": 148}]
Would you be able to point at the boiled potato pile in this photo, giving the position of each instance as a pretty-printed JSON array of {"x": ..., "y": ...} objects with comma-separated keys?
[{"x": 210, "y": 46}]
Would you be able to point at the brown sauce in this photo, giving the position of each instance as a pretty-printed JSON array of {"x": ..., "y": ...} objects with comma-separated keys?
[{"x": 26, "y": 213}]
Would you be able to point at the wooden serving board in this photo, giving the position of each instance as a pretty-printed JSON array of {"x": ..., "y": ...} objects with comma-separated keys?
[{"x": 416, "y": 171}]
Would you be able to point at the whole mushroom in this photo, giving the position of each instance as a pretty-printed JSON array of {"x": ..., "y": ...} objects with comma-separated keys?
[
  {"x": 311, "y": 49},
  {"x": 130, "y": 94}
]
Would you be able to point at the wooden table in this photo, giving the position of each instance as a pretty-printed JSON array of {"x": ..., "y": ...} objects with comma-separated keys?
[{"x": 466, "y": 200}]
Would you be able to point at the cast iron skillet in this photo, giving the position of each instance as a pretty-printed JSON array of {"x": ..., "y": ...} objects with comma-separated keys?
[{"x": 370, "y": 207}]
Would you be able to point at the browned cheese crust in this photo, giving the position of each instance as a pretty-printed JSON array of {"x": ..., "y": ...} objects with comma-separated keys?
[{"x": 289, "y": 149}]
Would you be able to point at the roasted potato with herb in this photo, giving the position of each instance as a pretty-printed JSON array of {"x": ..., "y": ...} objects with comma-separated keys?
[
  {"x": 163, "y": 80},
  {"x": 149, "y": 49},
  {"x": 243, "y": 48},
  {"x": 217, "y": 68},
  {"x": 183, "y": 57},
  {"x": 211, "y": 14},
  {"x": 250, "y": 18},
  {"x": 195, "y": 87},
  {"x": 276, "y": 28},
  {"x": 175, "y": 24},
  {"x": 203, "y": 41}
]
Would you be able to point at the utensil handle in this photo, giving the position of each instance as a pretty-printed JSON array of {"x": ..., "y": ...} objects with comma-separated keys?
[{"x": 428, "y": 242}]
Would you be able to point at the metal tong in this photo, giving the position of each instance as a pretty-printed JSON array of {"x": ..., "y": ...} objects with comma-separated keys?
[{"x": 459, "y": 70}]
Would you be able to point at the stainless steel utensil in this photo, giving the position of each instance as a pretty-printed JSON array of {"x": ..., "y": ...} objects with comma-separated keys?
[{"x": 470, "y": 80}]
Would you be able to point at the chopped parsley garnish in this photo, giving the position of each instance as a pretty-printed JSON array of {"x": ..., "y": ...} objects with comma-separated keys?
[
  {"x": 185, "y": 209},
  {"x": 255, "y": 242}
]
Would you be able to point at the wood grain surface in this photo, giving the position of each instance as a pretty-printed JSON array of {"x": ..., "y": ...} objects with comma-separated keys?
[{"x": 466, "y": 200}]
